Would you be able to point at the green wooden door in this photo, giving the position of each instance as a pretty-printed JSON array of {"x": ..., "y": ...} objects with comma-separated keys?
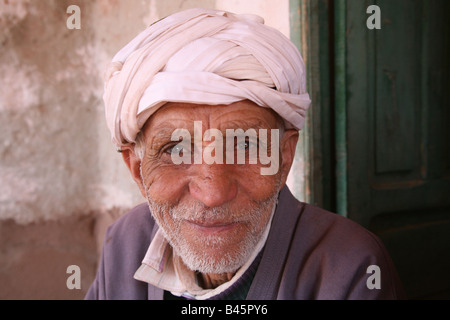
[{"x": 392, "y": 113}]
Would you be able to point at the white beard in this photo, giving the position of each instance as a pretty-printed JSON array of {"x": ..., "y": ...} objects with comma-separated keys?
[{"x": 198, "y": 259}]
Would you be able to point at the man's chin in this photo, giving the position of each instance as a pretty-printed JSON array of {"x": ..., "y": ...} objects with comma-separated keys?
[
  {"x": 217, "y": 257},
  {"x": 214, "y": 265}
]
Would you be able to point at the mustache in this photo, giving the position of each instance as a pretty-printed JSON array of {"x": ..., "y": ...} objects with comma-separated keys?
[{"x": 199, "y": 212}]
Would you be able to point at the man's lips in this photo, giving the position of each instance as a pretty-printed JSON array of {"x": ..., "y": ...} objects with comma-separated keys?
[{"x": 212, "y": 226}]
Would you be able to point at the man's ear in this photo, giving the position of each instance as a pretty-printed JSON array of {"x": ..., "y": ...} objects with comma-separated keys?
[
  {"x": 288, "y": 146},
  {"x": 134, "y": 165}
]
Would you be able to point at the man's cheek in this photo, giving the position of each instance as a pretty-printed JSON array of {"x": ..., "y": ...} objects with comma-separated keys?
[
  {"x": 166, "y": 186},
  {"x": 256, "y": 185},
  {"x": 152, "y": 171}
]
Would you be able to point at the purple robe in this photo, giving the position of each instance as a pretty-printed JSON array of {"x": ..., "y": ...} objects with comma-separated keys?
[{"x": 310, "y": 253}]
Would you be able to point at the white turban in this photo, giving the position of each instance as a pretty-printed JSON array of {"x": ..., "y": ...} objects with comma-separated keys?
[{"x": 204, "y": 56}]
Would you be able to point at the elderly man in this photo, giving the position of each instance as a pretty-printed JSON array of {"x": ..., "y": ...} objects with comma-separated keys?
[{"x": 184, "y": 100}]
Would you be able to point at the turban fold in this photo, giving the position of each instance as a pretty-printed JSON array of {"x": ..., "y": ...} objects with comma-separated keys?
[{"x": 203, "y": 56}]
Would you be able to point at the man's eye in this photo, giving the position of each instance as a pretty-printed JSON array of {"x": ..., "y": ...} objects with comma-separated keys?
[
  {"x": 176, "y": 149},
  {"x": 245, "y": 145},
  {"x": 242, "y": 145}
]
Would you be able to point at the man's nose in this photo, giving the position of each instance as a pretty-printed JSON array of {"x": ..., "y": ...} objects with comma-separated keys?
[{"x": 213, "y": 184}]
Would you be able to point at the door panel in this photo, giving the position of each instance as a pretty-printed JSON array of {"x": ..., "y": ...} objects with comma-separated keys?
[
  {"x": 397, "y": 75},
  {"x": 397, "y": 90}
]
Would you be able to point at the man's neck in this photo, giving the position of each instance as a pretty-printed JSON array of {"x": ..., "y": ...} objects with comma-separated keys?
[{"x": 213, "y": 280}]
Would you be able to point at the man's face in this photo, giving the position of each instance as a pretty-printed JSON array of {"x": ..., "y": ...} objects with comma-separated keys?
[{"x": 212, "y": 214}]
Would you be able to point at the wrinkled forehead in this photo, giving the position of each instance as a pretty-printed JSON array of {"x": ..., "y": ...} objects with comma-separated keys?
[{"x": 239, "y": 115}]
